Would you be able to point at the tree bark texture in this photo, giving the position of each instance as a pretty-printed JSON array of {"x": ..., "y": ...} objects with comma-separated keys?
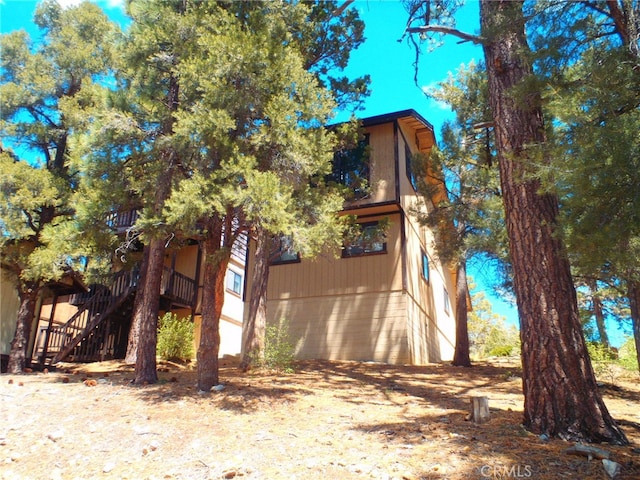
[
  {"x": 28, "y": 295},
  {"x": 147, "y": 313},
  {"x": 216, "y": 260},
  {"x": 253, "y": 338},
  {"x": 134, "y": 331},
  {"x": 561, "y": 395},
  {"x": 634, "y": 303},
  {"x": 151, "y": 279},
  {"x": 461, "y": 353}
]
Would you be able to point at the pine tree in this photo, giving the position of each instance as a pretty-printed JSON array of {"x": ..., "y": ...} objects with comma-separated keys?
[
  {"x": 561, "y": 395},
  {"x": 44, "y": 89},
  {"x": 589, "y": 59},
  {"x": 259, "y": 126}
]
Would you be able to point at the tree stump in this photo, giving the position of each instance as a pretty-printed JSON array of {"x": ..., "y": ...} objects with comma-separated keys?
[{"x": 479, "y": 409}]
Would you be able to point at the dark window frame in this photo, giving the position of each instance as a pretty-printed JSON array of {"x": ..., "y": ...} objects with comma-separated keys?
[
  {"x": 278, "y": 256},
  {"x": 425, "y": 265},
  {"x": 347, "y": 251},
  {"x": 350, "y": 165},
  {"x": 409, "y": 170}
]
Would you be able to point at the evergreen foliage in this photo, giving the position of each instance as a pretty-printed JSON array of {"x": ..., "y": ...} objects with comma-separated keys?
[
  {"x": 46, "y": 90},
  {"x": 175, "y": 338},
  {"x": 279, "y": 351},
  {"x": 489, "y": 335}
]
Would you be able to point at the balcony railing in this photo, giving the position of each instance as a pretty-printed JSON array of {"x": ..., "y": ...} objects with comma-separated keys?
[
  {"x": 178, "y": 287},
  {"x": 120, "y": 222}
]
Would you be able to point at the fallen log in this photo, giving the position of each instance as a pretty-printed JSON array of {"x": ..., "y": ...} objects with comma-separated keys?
[{"x": 588, "y": 451}]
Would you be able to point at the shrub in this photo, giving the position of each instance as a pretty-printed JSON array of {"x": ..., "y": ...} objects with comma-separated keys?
[
  {"x": 175, "y": 337},
  {"x": 278, "y": 349},
  {"x": 627, "y": 357},
  {"x": 501, "y": 351}
]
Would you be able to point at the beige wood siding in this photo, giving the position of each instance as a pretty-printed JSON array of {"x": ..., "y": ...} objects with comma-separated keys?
[
  {"x": 382, "y": 165},
  {"x": 327, "y": 275},
  {"x": 9, "y": 305},
  {"x": 431, "y": 329},
  {"x": 368, "y": 326}
]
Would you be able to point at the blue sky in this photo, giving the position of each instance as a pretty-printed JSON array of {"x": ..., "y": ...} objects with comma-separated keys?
[{"x": 390, "y": 64}]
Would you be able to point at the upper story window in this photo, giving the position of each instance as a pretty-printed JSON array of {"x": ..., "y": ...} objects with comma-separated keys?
[
  {"x": 447, "y": 303},
  {"x": 234, "y": 282},
  {"x": 283, "y": 252},
  {"x": 370, "y": 241},
  {"x": 410, "y": 175},
  {"x": 425, "y": 265},
  {"x": 351, "y": 168}
]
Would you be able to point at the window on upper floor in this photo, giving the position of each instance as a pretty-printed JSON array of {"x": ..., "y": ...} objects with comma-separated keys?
[
  {"x": 447, "y": 303},
  {"x": 283, "y": 252},
  {"x": 410, "y": 175},
  {"x": 234, "y": 282},
  {"x": 351, "y": 168},
  {"x": 370, "y": 241},
  {"x": 425, "y": 265}
]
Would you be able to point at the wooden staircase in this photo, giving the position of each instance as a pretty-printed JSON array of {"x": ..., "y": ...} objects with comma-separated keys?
[{"x": 89, "y": 335}]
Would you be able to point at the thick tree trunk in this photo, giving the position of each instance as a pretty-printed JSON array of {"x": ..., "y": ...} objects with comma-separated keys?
[
  {"x": 18, "y": 354},
  {"x": 634, "y": 303},
  {"x": 216, "y": 260},
  {"x": 560, "y": 390},
  {"x": 138, "y": 313},
  {"x": 253, "y": 338},
  {"x": 461, "y": 354},
  {"x": 146, "y": 309},
  {"x": 147, "y": 313},
  {"x": 598, "y": 313}
]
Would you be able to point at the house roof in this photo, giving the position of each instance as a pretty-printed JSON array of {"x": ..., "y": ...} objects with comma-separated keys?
[
  {"x": 69, "y": 283},
  {"x": 425, "y": 137}
]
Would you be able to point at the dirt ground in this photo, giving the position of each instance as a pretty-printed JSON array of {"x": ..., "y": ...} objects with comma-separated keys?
[{"x": 328, "y": 420}]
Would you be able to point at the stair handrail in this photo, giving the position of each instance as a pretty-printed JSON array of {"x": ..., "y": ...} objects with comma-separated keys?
[{"x": 95, "y": 310}]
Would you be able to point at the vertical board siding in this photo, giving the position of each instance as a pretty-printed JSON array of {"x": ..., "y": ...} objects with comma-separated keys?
[
  {"x": 366, "y": 327},
  {"x": 328, "y": 275}
]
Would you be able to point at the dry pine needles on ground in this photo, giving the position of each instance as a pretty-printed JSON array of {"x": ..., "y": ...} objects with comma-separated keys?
[{"x": 327, "y": 420}]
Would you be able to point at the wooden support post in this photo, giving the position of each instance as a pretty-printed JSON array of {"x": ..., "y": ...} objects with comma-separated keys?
[{"x": 480, "y": 409}]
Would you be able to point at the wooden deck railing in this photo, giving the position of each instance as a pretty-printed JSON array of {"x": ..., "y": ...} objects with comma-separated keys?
[
  {"x": 121, "y": 221},
  {"x": 64, "y": 338},
  {"x": 178, "y": 287},
  {"x": 86, "y": 333}
]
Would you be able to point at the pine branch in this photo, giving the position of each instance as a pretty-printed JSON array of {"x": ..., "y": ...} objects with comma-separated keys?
[
  {"x": 338, "y": 11},
  {"x": 467, "y": 37}
]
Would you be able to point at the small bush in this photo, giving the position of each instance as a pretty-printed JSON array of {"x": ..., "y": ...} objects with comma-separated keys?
[
  {"x": 599, "y": 353},
  {"x": 501, "y": 351},
  {"x": 278, "y": 349},
  {"x": 175, "y": 338},
  {"x": 627, "y": 357}
]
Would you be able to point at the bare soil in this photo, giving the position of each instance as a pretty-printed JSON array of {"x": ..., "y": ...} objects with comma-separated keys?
[{"x": 328, "y": 420}]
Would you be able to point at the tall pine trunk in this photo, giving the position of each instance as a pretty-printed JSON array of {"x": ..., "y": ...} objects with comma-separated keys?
[
  {"x": 461, "y": 354},
  {"x": 634, "y": 303},
  {"x": 28, "y": 295},
  {"x": 147, "y": 313},
  {"x": 146, "y": 309},
  {"x": 560, "y": 390},
  {"x": 253, "y": 338},
  {"x": 598, "y": 313},
  {"x": 138, "y": 309},
  {"x": 216, "y": 260}
]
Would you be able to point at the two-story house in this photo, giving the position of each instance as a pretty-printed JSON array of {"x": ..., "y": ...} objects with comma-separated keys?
[
  {"x": 388, "y": 300},
  {"x": 94, "y": 325}
]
